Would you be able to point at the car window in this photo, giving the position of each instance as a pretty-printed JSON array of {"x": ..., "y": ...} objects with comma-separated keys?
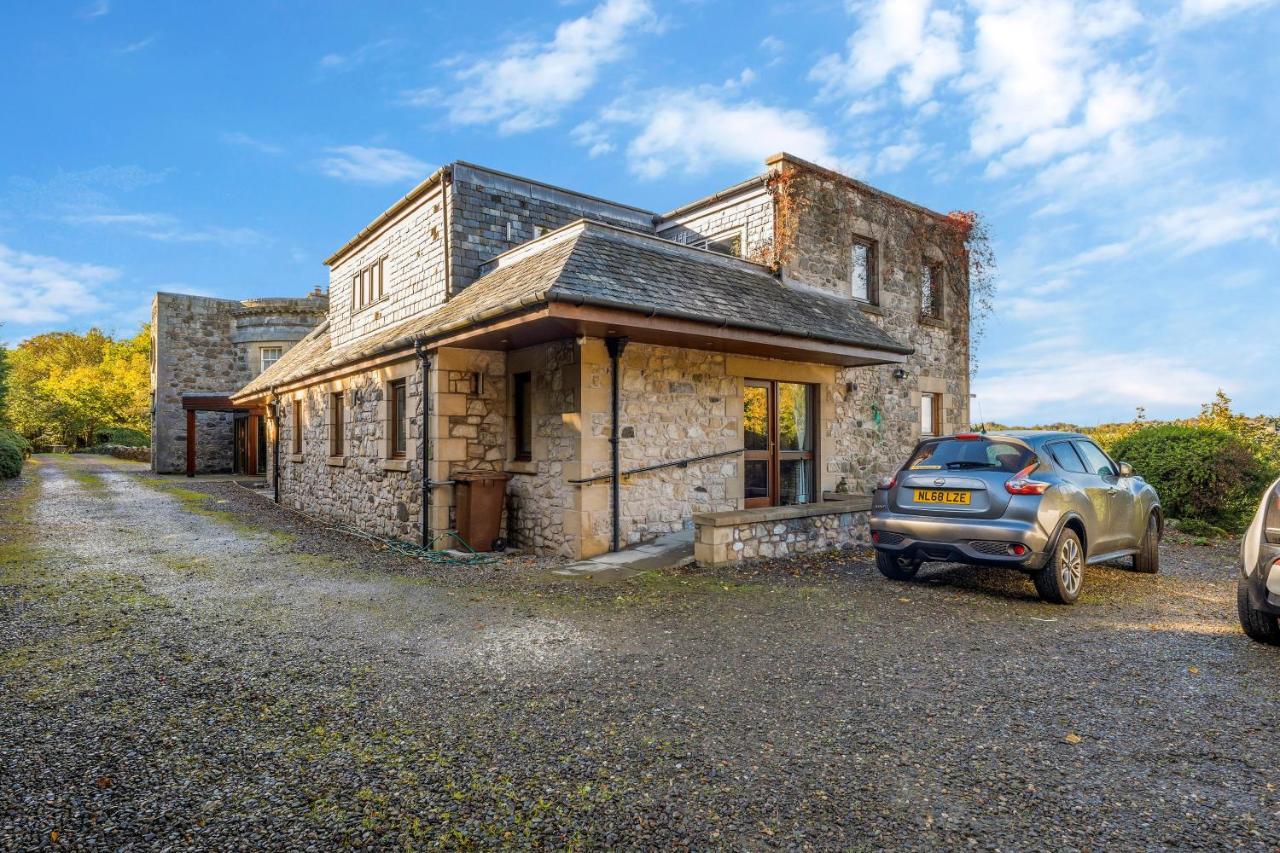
[
  {"x": 950, "y": 454},
  {"x": 1065, "y": 455},
  {"x": 1094, "y": 458}
]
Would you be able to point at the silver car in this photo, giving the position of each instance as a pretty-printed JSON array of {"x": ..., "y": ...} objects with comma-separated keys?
[
  {"x": 1048, "y": 503},
  {"x": 1258, "y": 589}
]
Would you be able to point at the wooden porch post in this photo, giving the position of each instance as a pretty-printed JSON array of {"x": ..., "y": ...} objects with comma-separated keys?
[{"x": 191, "y": 442}]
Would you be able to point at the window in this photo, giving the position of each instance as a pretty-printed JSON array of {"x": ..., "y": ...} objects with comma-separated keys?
[
  {"x": 727, "y": 243},
  {"x": 778, "y": 420},
  {"x": 931, "y": 291},
  {"x": 522, "y": 415},
  {"x": 366, "y": 285},
  {"x": 956, "y": 454},
  {"x": 399, "y": 414},
  {"x": 297, "y": 426},
  {"x": 1097, "y": 461},
  {"x": 863, "y": 282},
  {"x": 930, "y": 414},
  {"x": 335, "y": 424},
  {"x": 1066, "y": 456},
  {"x": 270, "y": 355}
]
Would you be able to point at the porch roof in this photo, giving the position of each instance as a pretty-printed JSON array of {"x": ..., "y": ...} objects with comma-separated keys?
[{"x": 596, "y": 279}]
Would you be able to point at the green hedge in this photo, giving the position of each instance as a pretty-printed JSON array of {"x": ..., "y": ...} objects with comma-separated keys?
[
  {"x": 10, "y": 458},
  {"x": 1202, "y": 473},
  {"x": 9, "y": 436},
  {"x": 123, "y": 436}
]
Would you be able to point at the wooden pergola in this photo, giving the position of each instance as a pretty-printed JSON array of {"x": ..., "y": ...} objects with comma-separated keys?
[{"x": 193, "y": 403}]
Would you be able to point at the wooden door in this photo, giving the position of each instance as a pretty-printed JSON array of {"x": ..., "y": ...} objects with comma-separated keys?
[{"x": 778, "y": 441}]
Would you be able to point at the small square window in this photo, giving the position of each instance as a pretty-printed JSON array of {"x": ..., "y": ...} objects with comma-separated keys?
[{"x": 270, "y": 355}]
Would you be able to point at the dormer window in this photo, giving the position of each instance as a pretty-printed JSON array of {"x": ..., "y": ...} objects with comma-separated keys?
[
  {"x": 726, "y": 243},
  {"x": 863, "y": 276},
  {"x": 366, "y": 286}
]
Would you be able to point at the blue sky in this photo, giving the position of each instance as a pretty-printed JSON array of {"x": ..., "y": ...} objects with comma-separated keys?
[{"x": 1125, "y": 155}]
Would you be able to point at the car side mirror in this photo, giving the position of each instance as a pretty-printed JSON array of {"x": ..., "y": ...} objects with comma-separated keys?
[{"x": 1126, "y": 470}]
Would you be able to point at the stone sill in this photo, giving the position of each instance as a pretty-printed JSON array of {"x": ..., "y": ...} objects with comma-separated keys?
[
  {"x": 395, "y": 464},
  {"x": 735, "y": 517},
  {"x": 926, "y": 320},
  {"x": 295, "y": 457},
  {"x": 336, "y": 461},
  {"x": 871, "y": 308}
]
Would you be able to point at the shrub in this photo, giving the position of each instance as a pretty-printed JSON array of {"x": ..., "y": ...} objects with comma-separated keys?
[
  {"x": 24, "y": 446},
  {"x": 10, "y": 459},
  {"x": 1203, "y": 473},
  {"x": 123, "y": 437}
]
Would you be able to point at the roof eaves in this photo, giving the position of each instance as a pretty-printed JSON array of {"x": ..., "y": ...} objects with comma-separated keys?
[{"x": 388, "y": 214}]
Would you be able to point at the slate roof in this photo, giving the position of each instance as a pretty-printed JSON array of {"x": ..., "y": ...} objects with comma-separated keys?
[{"x": 589, "y": 263}]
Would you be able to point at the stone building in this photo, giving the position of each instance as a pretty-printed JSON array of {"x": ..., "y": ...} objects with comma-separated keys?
[
  {"x": 746, "y": 365},
  {"x": 202, "y": 349}
]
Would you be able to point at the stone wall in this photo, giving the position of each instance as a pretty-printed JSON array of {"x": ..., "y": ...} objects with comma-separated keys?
[
  {"x": 364, "y": 487},
  {"x": 675, "y": 404},
  {"x": 491, "y": 212},
  {"x": 411, "y": 247},
  {"x": 877, "y": 417},
  {"x": 735, "y": 537},
  {"x": 204, "y": 345}
]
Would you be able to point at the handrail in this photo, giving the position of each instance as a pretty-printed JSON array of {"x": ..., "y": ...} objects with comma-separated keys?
[{"x": 681, "y": 463}]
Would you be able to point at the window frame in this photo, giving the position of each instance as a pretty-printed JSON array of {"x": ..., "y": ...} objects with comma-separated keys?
[
  {"x": 368, "y": 285},
  {"x": 935, "y": 414},
  {"x": 397, "y": 419},
  {"x": 773, "y": 455},
  {"x": 297, "y": 426},
  {"x": 262, "y": 357},
  {"x": 337, "y": 426},
  {"x": 738, "y": 232},
  {"x": 936, "y": 278},
  {"x": 1115, "y": 466},
  {"x": 522, "y": 416},
  {"x": 872, "y": 247}
]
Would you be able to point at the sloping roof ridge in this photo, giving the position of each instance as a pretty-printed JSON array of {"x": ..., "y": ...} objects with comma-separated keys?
[
  {"x": 671, "y": 247},
  {"x": 283, "y": 363}
]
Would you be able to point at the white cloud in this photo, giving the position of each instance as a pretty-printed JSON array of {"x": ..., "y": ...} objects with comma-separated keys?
[
  {"x": 528, "y": 85},
  {"x": 43, "y": 289},
  {"x": 1235, "y": 213},
  {"x": 1197, "y": 10},
  {"x": 339, "y": 63},
  {"x": 246, "y": 141},
  {"x": 896, "y": 157},
  {"x": 169, "y": 229},
  {"x": 1061, "y": 383},
  {"x": 96, "y": 9},
  {"x": 364, "y": 164},
  {"x": 695, "y": 131},
  {"x": 141, "y": 44},
  {"x": 591, "y": 136},
  {"x": 909, "y": 41}
]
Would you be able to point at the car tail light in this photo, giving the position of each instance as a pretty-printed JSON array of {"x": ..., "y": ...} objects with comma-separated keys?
[
  {"x": 887, "y": 482},
  {"x": 968, "y": 436},
  {"x": 1017, "y": 550},
  {"x": 1022, "y": 484},
  {"x": 875, "y": 536}
]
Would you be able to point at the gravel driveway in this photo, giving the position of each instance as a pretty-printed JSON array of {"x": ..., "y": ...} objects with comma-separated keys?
[{"x": 187, "y": 666}]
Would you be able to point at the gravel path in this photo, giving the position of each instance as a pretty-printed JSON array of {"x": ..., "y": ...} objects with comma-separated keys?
[{"x": 186, "y": 666}]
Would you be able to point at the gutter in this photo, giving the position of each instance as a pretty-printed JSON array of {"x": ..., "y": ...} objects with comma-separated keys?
[
  {"x": 424, "y": 434},
  {"x": 388, "y": 214}
]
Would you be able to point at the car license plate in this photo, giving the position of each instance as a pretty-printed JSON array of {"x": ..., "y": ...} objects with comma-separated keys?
[{"x": 942, "y": 496}]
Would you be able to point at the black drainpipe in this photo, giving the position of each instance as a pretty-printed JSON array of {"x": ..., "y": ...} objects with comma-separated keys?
[
  {"x": 424, "y": 359},
  {"x": 615, "y": 347},
  {"x": 275, "y": 444}
]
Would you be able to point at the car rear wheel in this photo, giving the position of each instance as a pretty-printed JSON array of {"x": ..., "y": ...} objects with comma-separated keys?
[
  {"x": 896, "y": 568},
  {"x": 1060, "y": 580},
  {"x": 1260, "y": 626},
  {"x": 1147, "y": 560}
]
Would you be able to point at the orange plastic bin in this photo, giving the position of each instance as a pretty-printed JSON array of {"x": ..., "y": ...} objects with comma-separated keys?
[{"x": 479, "y": 497}]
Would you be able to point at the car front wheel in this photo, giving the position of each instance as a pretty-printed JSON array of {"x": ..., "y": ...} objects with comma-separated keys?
[
  {"x": 1060, "y": 580},
  {"x": 1260, "y": 626},
  {"x": 896, "y": 568}
]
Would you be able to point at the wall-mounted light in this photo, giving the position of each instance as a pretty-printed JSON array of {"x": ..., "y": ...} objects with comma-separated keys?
[{"x": 899, "y": 374}]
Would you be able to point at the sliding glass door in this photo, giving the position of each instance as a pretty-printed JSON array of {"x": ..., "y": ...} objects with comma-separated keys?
[{"x": 778, "y": 439}]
